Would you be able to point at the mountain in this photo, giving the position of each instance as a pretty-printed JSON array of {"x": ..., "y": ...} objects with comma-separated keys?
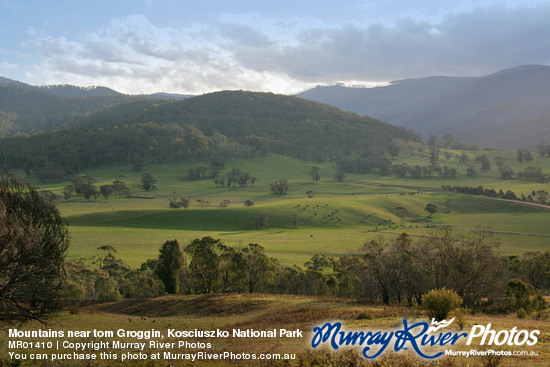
[
  {"x": 169, "y": 96},
  {"x": 26, "y": 108},
  {"x": 215, "y": 126},
  {"x": 34, "y": 109},
  {"x": 471, "y": 108},
  {"x": 66, "y": 90},
  {"x": 5, "y": 82}
]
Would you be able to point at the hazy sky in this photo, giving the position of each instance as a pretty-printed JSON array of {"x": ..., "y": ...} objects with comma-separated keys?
[{"x": 280, "y": 46}]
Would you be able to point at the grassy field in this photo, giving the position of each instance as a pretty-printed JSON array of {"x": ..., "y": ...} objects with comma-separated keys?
[
  {"x": 268, "y": 312},
  {"x": 337, "y": 220}
]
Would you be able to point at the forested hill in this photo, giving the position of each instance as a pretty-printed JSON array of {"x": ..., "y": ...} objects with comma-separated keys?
[
  {"x": 31, "y": 109},
  {"x": 27, "y": 108},
  {"x": 222, "y": 124}
]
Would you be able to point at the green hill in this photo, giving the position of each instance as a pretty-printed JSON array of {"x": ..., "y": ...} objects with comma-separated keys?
[{"x": 223, "y": 124}]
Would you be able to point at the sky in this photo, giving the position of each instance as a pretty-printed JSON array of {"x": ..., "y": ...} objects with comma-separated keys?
[{"x": 284, "y": 46}]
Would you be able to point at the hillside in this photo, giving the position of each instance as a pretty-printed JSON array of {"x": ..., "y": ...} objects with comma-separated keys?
[
  {"x": 471, "y": 108},
  {"x": 223, "y": 124},
  {"x": 37, "y": 110},
  {"x": 33, "y": 108}
]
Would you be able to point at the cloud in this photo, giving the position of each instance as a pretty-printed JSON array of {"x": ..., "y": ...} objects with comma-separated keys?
[
  {"x": 135, "y": 56},
  {"x": 477, "y": 42},
  {"x": 252, "y": 51},
  {"x": 7, "y": 66}
]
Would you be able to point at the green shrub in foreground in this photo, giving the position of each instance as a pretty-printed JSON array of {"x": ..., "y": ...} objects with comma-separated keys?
[{"x": 440, "y": 302}]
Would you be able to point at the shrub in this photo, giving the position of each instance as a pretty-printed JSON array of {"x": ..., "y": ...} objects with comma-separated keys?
[
  {"x": 519, "y": 295},
  {"x": 460, "y": 316},
  {"x": 440, "y": 302}
]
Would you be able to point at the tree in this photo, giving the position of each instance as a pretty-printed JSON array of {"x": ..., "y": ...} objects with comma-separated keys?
[
  {"x": 463, "y": 158},
  {"x": 520, "y": 156},
  {"x": 542, "y": 148},
  {"x": 340, "y": 175},
  {"x": 401, "y": 212},
  {"x": 257, "y": 267},
  {"x": 431, "y": 209},
  {"x": 224, "y": 203},
  {"x": 106, "y": 191},
  {"x": 89, "y": 190},
  {"x": 203, "y": 203},
  {"x": 33, "y": 244},
  {"x": 204, "y": 267},
  {"x": 433, "y": 141},
  {"x": 279, "y": 187},
  {"x": 448, "y": 140},
  {"x": 434, "y": 157},
  {"x": 260, "y": 221},
  {"x": 518, "y": 294},
  {"x": 382, "y": 270},
  {"x": 499, "y": 160},
  {"x": 120, "y": 188},
  {"x": 173, "y": 202},
  {"x": 485, "y": 163},
  {"x": 506, "y": 173},
  {"x": 542, "y": 196},
  {"x": 314, "y": 173},
  {"x": 148, "y": 182},
  {"x": 170, "y": 266},
  {"x": 471, "y": 171}
]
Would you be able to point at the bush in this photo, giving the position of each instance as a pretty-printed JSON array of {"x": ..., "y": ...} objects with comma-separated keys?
[
  {"x": 440, "y": 302},
  {"x": 519, "y": 295},
  {"x": 460, "y": 316},
  {"x": 521, "y": 313}
]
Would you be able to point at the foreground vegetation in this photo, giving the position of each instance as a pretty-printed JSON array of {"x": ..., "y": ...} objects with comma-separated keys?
[{"x": 265, "y": 312}]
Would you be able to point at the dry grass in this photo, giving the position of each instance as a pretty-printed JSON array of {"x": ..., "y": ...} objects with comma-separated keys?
[{"x": 268, "y": 312}]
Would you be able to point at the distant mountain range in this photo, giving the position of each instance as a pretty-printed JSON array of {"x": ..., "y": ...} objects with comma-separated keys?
[
  {"x": 508, "y": 109},
  {"x": 26, "y": 108},
  {"x": 72, "y": 91}
]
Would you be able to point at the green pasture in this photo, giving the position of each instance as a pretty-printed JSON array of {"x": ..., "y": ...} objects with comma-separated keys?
[{"x": 337, "y": 220}]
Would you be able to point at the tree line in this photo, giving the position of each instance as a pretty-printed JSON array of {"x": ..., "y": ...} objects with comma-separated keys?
[
  {"x": 400, "y": 271},
  {"x": 539, "y": 196}
]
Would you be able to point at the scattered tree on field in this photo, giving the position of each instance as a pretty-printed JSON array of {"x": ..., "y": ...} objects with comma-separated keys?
[
  {"x": 148, "y": 182},
  {"x": 260, "y": 221},
  {"x": 279, "y": 187},
  {"x": 431, "y": 209},
  {"x": 314, "y": 173}
]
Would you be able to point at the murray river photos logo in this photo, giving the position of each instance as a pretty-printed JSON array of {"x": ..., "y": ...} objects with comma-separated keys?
[{"x": 419, "y": 337}]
